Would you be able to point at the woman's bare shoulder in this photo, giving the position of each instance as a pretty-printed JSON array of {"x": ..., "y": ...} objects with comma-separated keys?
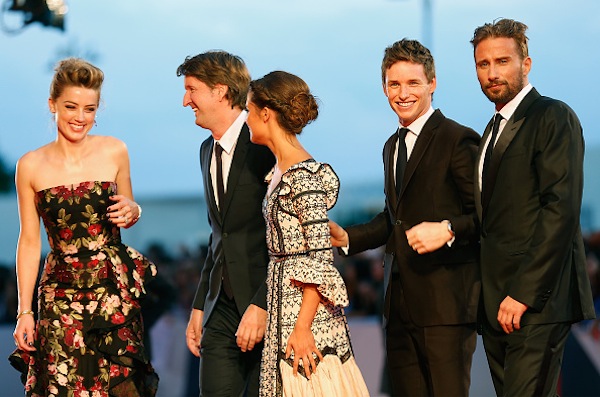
[
  {"x": 34, "y": 157},
  {"x": 110, "y": 144}
]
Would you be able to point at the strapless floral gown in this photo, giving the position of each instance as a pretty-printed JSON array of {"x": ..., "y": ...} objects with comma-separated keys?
[{"x": 89, "y": 333}]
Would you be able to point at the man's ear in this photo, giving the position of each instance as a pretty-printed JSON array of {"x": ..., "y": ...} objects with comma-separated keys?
[{"x": 222, "y": 90}]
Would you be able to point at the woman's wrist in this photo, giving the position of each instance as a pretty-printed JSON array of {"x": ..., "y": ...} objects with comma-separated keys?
[
  {"x": 303, "y": 325},
  {"x": 24, "y": 313},
  {"x": 139, "y": 215}
]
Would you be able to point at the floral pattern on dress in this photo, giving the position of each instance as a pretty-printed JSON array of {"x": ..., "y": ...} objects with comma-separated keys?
[
  {"x": 89, "y": 333},
  {"x": 300, "y": 251}
]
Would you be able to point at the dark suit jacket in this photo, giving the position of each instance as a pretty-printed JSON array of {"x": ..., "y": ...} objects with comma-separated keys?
[
  {"x": 238, "y": 233},
  {"x": 442, "y": 287},
  {"x": 531, "y": 244}
]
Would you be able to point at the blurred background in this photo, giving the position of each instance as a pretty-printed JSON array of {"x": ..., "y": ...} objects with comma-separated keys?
[{"x": 336, "y": 47}]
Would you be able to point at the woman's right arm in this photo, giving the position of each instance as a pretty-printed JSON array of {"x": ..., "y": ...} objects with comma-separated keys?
[
  {"x": 302, "y": 341},
  {"x": 28, "y": 254}
]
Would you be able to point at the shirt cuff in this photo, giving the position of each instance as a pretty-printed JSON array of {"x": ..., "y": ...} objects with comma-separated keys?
[
  {"x": 345, "y": 249},
  {"x": 451, "y": 241}
]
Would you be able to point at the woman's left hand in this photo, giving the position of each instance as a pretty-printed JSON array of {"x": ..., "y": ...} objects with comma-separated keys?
[
  {"x": 302, "y": 343},
  {"x": 124, "y": 212},
  {"x": 24, "y": 332}
]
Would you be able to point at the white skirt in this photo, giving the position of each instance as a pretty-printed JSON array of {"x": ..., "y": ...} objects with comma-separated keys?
[{"x": 332, "y": 379}]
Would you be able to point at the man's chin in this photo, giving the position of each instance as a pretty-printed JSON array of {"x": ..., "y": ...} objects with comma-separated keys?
[{"x": 496, "y": 97}]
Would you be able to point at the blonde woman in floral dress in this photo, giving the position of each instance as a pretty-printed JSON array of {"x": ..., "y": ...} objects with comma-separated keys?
[
  {"x": 88, "y": 338},
  {"x": 307, "y": 348}
]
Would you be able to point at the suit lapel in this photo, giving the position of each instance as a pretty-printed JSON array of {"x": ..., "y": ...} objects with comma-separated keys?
[
  {"x": 237, "y": 165},
  {"x": 206, "y": 158},
  {"x": 510, "y": 130},
  {"x": 388, "y": 163},
  {"x": 480, "y": 154},
  {"x": 421, "y": 144}
]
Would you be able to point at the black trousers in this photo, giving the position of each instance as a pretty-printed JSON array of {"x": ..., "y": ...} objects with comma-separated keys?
[
  {"x": 426, "y": 361},
  {"x": 526, "y": 363},
  {"x": 226, "y": 371}
]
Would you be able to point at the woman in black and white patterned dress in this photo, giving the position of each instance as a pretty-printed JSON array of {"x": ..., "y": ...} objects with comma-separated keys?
[{"x": 307, "y": 344}]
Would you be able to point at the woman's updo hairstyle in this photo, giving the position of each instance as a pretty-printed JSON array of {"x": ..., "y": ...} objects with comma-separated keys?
[
  {"x": 75, "y": 72},
  {"x": 289, "y": 96}
]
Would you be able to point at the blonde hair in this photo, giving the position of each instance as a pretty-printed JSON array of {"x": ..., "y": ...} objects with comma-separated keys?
[{"x": 75, "y": 72}]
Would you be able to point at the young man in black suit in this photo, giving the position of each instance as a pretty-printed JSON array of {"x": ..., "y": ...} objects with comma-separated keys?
[
  {"x": 430, "y": 234},
  {"x": 228, "y": 319},
  {"x": 529, "y": 186}
]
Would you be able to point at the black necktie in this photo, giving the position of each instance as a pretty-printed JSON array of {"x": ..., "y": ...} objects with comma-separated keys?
[
  {"x": 488, "y": 152},
  {"x": 220, "y": 185},
  {"x": 221, "y": 196},
  {"x": 402, "y": 158}
]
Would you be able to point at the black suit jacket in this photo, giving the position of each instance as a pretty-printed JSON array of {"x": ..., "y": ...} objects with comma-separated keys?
[
  {"x": 238, "y": 231},
  {"x": 442, "y": 287},
  {"x": 531, "y": 244}
]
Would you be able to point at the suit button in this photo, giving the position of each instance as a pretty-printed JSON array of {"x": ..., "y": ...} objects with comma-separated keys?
[
  {"x": 224, "y": 235},
  {"x": 398, "y": 222}
]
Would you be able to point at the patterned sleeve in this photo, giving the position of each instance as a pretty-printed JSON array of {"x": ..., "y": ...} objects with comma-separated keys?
[{"x": 313, "y": 191}]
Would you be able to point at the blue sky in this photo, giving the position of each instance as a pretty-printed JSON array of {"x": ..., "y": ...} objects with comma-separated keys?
[{"x": 336, "y": 46}]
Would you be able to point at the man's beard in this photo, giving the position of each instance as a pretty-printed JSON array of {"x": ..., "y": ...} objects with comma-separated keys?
[{"x": 507, "y": 91}]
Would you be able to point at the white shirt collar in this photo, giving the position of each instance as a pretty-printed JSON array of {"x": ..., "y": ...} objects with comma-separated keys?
[
  {"x": 509, "y": 109},
  {"x": 416, "y": 126},
  {"x": 230, "y": 137}
]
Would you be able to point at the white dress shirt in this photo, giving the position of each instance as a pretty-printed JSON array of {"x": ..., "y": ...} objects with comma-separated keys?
[
  {"x": 506, "y": 112},
  {"x": 411, "y": 137},
  {"x": 228, "y": 142}
]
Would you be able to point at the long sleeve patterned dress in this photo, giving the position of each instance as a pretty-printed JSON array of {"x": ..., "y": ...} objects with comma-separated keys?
[{"x": 300, "y": 252}]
